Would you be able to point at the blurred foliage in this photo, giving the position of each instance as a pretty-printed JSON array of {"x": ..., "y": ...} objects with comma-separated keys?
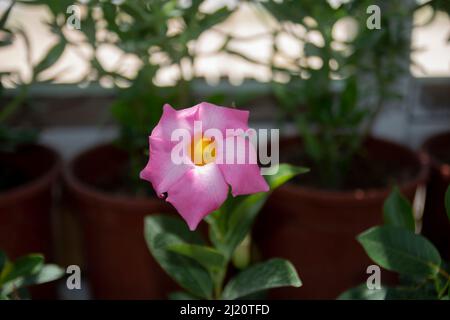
[
  {"x": 396, "y": 247},
  {"x": 155, "y": 32},
  {"x": 17, "y": 276},
  {"x": 334, "y": 104},
  {"x": 336, "y": 101},
  {"x": 13, "y": 136}
]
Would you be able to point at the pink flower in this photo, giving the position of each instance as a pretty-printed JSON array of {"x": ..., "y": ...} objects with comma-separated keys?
[{"x": 198, "y": 185}]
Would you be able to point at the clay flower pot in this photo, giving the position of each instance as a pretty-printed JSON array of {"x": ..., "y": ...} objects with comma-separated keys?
[
  {"x": 25, "y": 206},
  {"x": 118, "y": 261},
  {"x": 316, "y": 229},
  {"x": 436, "y": 226}
]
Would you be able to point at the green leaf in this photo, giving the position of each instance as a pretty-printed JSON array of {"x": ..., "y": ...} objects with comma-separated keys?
[
  {"x": 235, "y": 219},
  {"x": 361, "y": 292},
  {"x": 285, "y": 173},
  {"x": 50, "y": 58},
  {"x": 211, "y": 259},
  {"x": 273, "y": 273},
  {"x": 401, "y": 250},
  {"x": 5, "y": 15},
  {"x": 162, "y": 232},
  {"x": 447, "y": 202},
  {"x": 417, "y": 292},
  {"x": 48, "y": 273},
  {"x": 398, "y": 211},
  {"x": 181, "y": 295},
  {"x": 22, "y": 267}
]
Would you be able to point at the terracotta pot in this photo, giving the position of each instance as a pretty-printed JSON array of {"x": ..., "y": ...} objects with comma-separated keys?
[
  {"x": 25, "y": 210},
  {"x": 118, "y": 262},
  {"x": 436, "y": 225},
  {"x": 316, "y": 229}
]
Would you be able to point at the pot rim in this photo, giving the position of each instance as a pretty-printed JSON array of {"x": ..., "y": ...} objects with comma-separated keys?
[
  {"x": 74, "y": 184},
  {"x": 369, "y": 194},
  {"x": 37, "y": 184}
]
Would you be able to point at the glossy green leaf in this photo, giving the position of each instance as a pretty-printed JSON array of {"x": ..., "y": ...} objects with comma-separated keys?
[
  {"x": 181, "y": 295},
  {"x": 273, "y": 273},
  {"x": 233, "y": 221},
  {"x": 23, "y": 266},
  {"x": 398, "y": 211},
  {"x": 48, "y": 273},
  {"x": 401, "y": 250},
  {"x": 162, "y": 232},
  {"x": 363, "y": 293},
  {"x": 208, "y": 257},
  {"x": 416, "y": 292},
  {"x": 285, "y": 173}
]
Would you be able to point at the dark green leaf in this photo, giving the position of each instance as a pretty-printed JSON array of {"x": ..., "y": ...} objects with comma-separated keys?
[
  {"x": 48, "y": 273},
  {"x": 50, "y": 58},
  {"x": 23, "y": 266},
  {"x": 401, "y": 250},
  {"x": 285, "y": 173},
  {"x": 398, "y": 211},
  {"x": 270, "y": 274},
  {"x": 233, "y": 222},
  {"x": 361, "y": 292},
  {"x": 208, "y": 257},
  {"x": 162, "y": 232},
  {"x": 181, "y": 295}
]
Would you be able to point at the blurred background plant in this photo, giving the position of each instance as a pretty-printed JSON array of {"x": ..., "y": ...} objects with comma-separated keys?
[
  {"x": 12, "y": 136},
  {"x": 337, "y": 84},
  {"x": 333, "y": 88},
  {"x": 157, "y": 34}
]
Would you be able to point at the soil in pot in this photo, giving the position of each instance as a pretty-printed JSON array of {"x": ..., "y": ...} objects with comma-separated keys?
[
  {"x": 316, "y": 228},
  {"x": 118, "y": 262},
  {"x": 436, "y": 225},
  {"x": 27, "y": 179}
]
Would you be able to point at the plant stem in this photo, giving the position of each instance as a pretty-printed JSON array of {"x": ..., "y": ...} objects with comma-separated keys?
[{"x": 444, "y": 273}]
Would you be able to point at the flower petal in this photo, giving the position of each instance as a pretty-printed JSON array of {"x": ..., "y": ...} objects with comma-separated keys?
[
  {"x": 160, "y": 170},
  {"x": 222, "y": 118},
  {"x": 243, "y": 176},
  {"x": 199, "y": 192},
  {"x": 174, "y": 119}
]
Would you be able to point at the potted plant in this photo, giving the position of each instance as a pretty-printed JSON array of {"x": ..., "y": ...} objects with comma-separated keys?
[
  {"x": 28, "y": 170},
  {"x": 335, "y": 91},
  {"x": 396, "y": 246},
  {"x": 435, "y": 225},
  {"x": 211, "y": 181},
  {"x": 103, "y": 182}
]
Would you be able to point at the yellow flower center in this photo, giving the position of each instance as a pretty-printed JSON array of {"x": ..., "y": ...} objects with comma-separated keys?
[{"x": 202, "y": 151}]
